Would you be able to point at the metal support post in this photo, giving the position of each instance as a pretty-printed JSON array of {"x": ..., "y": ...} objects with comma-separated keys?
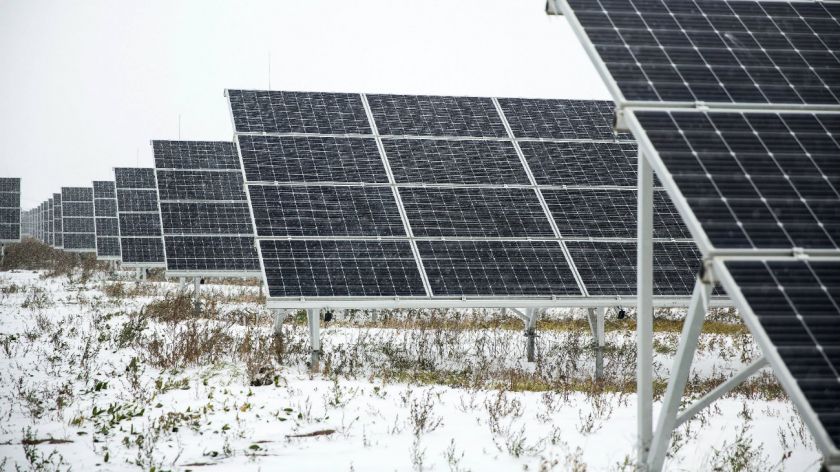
[
  {"x": 182, "y": 284},
  {"x": 601, "y": 313},
  {"x": 595, "y": 316},
  {"x": 644, "y": 310},
  {"x": 679, "y": 373},
  {"x": 279, "y": 317},
  {"x": 314, "y": 319},
  {"x": 196, "y": 294},
  {"x": 531, "y": 332}
]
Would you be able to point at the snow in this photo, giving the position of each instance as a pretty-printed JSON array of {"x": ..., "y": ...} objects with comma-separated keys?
[{"x": 67, "y": 372}]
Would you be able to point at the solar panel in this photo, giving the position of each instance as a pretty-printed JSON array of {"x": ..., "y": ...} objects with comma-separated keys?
[
  {"x": 206, "y": 221},
  {"x": 448, "y": 199},
  {"x": 78, "y": 219},
  {"x": 737, "y": 107},
  {"x": 767, "y": 181},
  {"x": 58, "y": 222},
  {"x": 715, "y": 51},
  {"x": 10, "y": 216},
  {"x": 138, "y": 216},
  {"x": 107, "y": 221},
  {"x": 50, "y": 222}
]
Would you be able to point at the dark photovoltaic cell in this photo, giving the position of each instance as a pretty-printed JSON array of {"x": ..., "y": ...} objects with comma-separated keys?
[
  {"x": 311, "y": 159},
  {"x": 206, "y": 218},
  {"x": 10, "y": 215},
  {"x": 77, "y": 225},
  {"x": 58, "y": 221},
  {"x": 475, "y": 212},
  {"x": 107, "y": 223},
  {"x": 70, "y": 208},
  {"x": 77, "y": 219},
  {"x": 139, "y": 224},
  {"x": 297, "y": 112},
  {"x": 717, "y": 51},
  {"x": 562, "y": 119},
  {"x": 141, "y": 250},
  {"x": 340, "y": 268},
  {"x": 200, "y": 185},
  {"x": 107, "y": 227},
  {"x": 10, "y": 184},
  {"x": 79, "y": 241},
  {"x": 436, "y": 116},
  {"x": 211, "y": 254},
  {"x": 582, "y": 163},
  {"x": 195, "y": 155},
  {"x": 599, "y": 213},
  {"x": 139, "y": 217},
  {"x": 104, "y": 189},
  {"x": 436, "y": 161},
  {"x": 134, "y": 177},
  {"x": 50, "y": 223},
  {"x": 755, "y": 180},
  {"x": 137, "y": 200},
  {"x": 497, "y": 268},
  {"x": 107, "y": 247},
  {"x": 325, "y": 211},
  {"x": 105, "y": 207},
  {"x": 796, "y": 303},
  {"x": 609, "y": 268}
]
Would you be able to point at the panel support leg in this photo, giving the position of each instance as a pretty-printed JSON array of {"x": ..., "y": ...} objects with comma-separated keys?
[
  {"x": 196, "y": 294},
  {"x": 532, "y": 314},
  {"x": 644, "y": 310},
  {"x": 314, "y": 319},
  {"x": 679, "y": 373},
  {"x": 279, "y": 317},
  {"x": 595, "y": 316}
]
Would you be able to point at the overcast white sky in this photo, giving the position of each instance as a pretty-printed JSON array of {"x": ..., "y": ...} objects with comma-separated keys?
[{"x": 85, "y": 85}]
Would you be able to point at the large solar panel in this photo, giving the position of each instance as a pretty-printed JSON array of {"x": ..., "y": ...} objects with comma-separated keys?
[
  {"x": 138, "y": 218},
  {"x": 107, "y": 221},
  {"x": 77, "y": 217},
  {"x": 736, "y": 104},
  {"x": 207, "y": 228},
  {"x": 58, "y": 222},
  {"x": 712, "y": 51},
  {"x": 50, "y": 222},
  {"x": 10, "y": 216},
  {"x": 459, "y": 200}
]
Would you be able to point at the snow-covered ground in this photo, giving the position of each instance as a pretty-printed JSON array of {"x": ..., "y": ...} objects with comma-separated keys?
[{"x": 102, "y": 374}]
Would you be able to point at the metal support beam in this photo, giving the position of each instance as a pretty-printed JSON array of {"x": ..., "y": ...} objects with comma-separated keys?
[
  {"x": 679, "y": 373},
  {"x": 314, "y": 319},
  {"x": 720, "y": 391},
  {"x": 532, "y": 315},
  {"x": 644, "y": 311},
  {"x": 595, "y": 316}
]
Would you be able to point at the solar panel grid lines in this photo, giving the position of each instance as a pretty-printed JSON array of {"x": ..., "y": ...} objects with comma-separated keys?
[
  {"x": 77, "y": 213},
  {"x": 138, "y": 212},
  {"x": 485, "y": 196},
  {"x": 712, "y": 51},
  {"x": 546, "y": 210},
  {"x": 10, "y": 211},
  {"x": 204, "y": 214},
  {"x": 753, "y": 180},
  {"x": 58, "y": 222},
  {"x": 107, "y": 220}
]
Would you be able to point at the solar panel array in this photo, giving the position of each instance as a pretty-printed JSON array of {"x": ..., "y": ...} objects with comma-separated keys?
[
  {"x": 447, "y": 198},
  {"x": 755, "y": 166},
  {"x": 58, "y": 227},
  {"x": 9, "y": 209},
  {"x": 141, "y": 244},
  {"x": 204, "y": 212},
  {"x": 107, "y": 222},
  {"x": 77, "y": 219}
]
